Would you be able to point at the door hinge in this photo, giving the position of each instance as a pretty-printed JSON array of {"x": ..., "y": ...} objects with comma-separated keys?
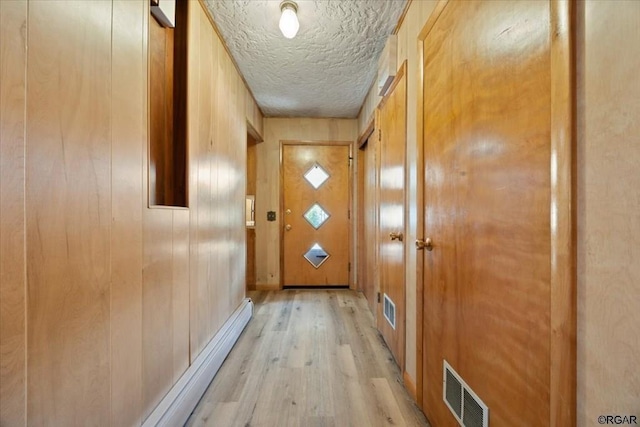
[
  {"x": 379, "y": 134},
  {"x": 350, "y": 160},
  {"x": 378, "y": 297},
  {"x": 349, "y": 214},
  {"x": 349, "y": 267}
]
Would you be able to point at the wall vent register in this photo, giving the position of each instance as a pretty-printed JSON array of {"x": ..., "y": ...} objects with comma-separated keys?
[
  {"x": 389, "y": 311},
  {"x": 464, "y": 404}
]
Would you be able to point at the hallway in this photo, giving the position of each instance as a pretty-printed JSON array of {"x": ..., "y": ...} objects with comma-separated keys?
[{"x": 308, "y": 358}]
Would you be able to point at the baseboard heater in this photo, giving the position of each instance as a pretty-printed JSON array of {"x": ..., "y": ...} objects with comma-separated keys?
[{"x": 177, "y": 405}]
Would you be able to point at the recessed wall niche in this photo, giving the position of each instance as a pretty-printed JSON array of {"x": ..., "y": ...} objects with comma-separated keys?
[{"x": 167, "y": 110}]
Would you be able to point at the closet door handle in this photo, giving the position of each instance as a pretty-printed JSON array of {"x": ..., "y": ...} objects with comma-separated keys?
[
  {"x": 424, "y": 244},
  {"x": 396, "y": 236}
]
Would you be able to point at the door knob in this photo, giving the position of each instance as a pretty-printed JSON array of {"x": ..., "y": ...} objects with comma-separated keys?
[
  {"x": 288, "y": 227},
  {"x": 424, "y": 244},
  {"x": 396, "y": 236}
]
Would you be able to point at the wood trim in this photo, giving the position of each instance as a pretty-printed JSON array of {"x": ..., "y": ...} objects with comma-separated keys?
[
  {"x": 402, "y": 17},
  {"x": 401, "y": 72},
  {"x": 410, "y": 385},
  {"x": 366, "y": 134},
  {"x": 226, "y": 48},
  {"x": 268, "y": 287},
  {"x": 312, "y": 142},
  {"x": 281, "y": 203},
  {"x": 563, "y": 284},
  {"x": 437, "y": 11},
  {"x": 254, "y": 133},
  {"x": 364, "y": 101},
  {"x": 183, "y": 397},
  {"x": 420, "y": 229}
]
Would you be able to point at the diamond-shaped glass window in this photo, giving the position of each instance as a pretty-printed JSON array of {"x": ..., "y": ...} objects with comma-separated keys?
[
  {"x": 316, "y": 216},
  {"x": 316, "y": 255},
  {"x": 316, "y": 176}
]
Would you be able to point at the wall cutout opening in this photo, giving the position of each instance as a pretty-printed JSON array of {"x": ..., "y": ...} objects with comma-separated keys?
[{"x": 167, "y": 109}]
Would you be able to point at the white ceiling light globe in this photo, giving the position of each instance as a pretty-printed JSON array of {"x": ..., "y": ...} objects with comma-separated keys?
[{"x": 289, "y": 20}]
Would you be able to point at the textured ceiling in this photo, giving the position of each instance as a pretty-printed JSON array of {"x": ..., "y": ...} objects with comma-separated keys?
[{"x": 326, "y": 70}]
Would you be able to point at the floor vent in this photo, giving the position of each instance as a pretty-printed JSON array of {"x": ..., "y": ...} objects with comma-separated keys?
[
  {"x": 389, "y": 310},
  {"x": 464, "y": 404}
]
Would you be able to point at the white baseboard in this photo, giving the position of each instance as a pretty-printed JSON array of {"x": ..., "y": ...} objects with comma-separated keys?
[{"x": 177, "y": 405}]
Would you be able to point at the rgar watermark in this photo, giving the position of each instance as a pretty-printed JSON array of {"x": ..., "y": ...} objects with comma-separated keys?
[{"x": 617, "y": 419}]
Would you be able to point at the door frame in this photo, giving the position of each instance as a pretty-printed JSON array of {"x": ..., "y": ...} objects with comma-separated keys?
[
  {"x": 281, "y": 222},
  {"x": 563, "y": 280}
]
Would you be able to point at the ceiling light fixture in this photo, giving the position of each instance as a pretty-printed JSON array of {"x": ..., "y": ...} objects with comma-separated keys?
[{"x": 289, "y": 19}]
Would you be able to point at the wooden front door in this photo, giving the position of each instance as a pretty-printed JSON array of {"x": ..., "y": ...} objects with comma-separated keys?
[
  {"x": 488, "y": 180},
  {"x": 316, "y": 215},
  {"x": 393, "y": 126}
]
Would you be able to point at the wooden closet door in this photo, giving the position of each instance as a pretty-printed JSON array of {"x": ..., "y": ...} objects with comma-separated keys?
[
  {"x": 488, "y": 207},
  {"x": 392, "y": 188}
]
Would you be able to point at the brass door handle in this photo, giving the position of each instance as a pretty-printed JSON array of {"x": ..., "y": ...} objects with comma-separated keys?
[
  {"x": 424, "y": 244},
  {"x": 396, "y": 236},
  {"x": 288, "y": 227}
]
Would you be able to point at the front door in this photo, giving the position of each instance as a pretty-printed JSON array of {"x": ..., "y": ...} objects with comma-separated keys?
[
  {"x": 315, "y": 215},
  {"x": 393, "y": 126}
]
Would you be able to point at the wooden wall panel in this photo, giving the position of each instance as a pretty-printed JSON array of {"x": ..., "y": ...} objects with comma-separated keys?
[
  {"x": 13, "y": 369},
  {"x": 110, "y": 292},
  {"x": 217, "y": 134},
  {"x": 180, "y": 296},
  {"x": 608, "y": 205},
  {"x": 157, "y": 307},
  {"x": 268, "y": 182},
  {"x": 129, "y": 129},
  {"x": 68, "y": 212}
]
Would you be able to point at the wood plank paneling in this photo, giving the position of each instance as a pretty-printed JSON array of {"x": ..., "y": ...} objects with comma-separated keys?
[
  {"x": 608, "y": 90},
  {"x": 129, "y": 129},
  {"x": 157, "y": 307},
  {"x": 111, "y": 302},
  {"x": 180, "y": 295},
  {"x": 69, "y": 211},
  {"x": 13, "y": 369},
  {"x": 217, "y": 134}
]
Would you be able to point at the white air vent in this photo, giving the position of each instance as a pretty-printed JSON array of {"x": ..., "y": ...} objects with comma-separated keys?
[
  {"x": 389, "y": 310},
  {"x": 464, "y": 404}
]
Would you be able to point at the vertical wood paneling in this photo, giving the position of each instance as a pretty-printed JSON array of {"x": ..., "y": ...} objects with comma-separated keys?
[
  {"x": 119, "y": 295},
  {"x": 69, "y": 211},
  {"x": 13, "y": 369},
  {"x": 180, "y": 296},
  {"x": 193, "y": 127},
  {"x": 157, "y": 306},
  {"x": 128, "y": 191},
  {"x": 608, "y": 240},
  {"x": 217, "y": 134}
]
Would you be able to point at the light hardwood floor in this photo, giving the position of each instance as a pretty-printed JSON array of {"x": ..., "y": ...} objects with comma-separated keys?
[{"x": 308, "y": 358}]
